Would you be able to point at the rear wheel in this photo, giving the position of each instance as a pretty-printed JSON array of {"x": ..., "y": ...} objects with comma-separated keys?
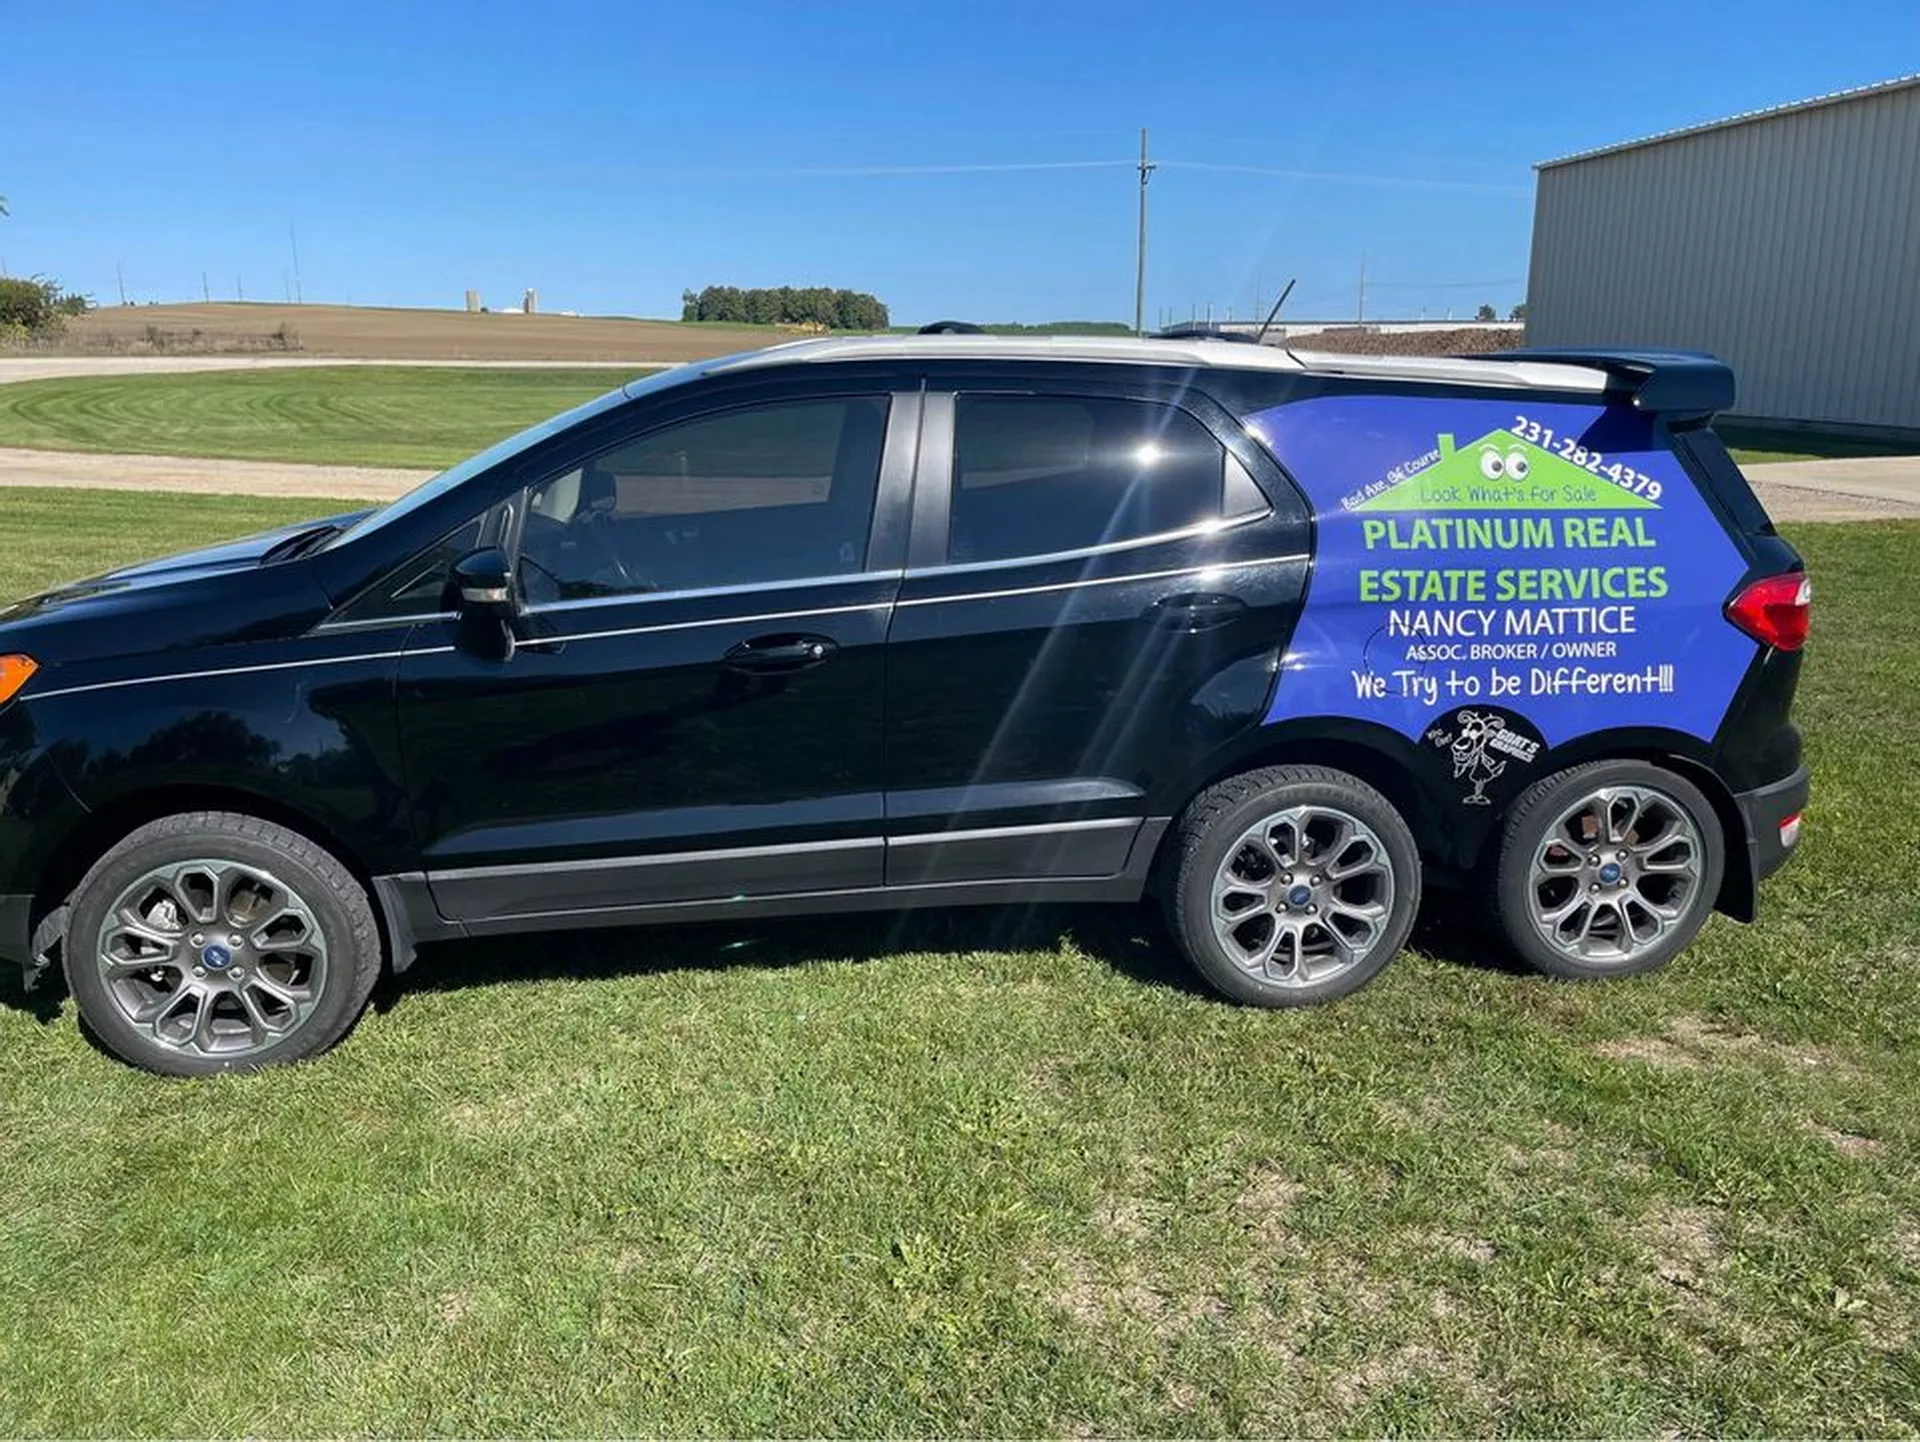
[
  {"x": 213, "y": 942},
  {"x": 1292, "y": 885},
  {"x": 1608, "y": 869}
]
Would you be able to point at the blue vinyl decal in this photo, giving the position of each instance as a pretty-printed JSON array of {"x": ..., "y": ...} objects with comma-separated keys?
[{"x": 1481, "y": 559}]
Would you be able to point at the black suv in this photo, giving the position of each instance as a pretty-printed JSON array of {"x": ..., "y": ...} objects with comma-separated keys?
[{"x": 931, "y": 621}]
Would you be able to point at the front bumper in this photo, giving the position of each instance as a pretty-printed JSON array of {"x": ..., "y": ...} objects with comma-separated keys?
[{"x": 1772, "y": 815}]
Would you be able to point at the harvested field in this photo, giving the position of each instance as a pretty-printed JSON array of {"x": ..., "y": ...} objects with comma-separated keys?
[
  {"x": 1352, "y": 340},
  {"x": 383, "y": 334}
]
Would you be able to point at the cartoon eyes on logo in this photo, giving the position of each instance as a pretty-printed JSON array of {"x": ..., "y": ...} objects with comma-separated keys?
[{"x": 1514, "y": 465}]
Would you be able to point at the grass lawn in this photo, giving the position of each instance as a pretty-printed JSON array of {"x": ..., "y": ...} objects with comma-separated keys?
[
  {"x": 1756, "y": 445},
  {"x": 347, "y": 415},
  {"x": 1011, "y": 1172}
]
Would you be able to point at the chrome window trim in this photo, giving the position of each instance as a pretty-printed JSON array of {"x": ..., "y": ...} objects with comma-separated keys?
[
  {"x": 1097, "y": 581},
  {"x": 628, "y": 598},
  {"x": 1105, "y": 548},
  {"x": 705, "y": 621}
]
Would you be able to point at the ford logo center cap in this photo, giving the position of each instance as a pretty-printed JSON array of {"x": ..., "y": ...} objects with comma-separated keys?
[{"x": 216, "y": 957}]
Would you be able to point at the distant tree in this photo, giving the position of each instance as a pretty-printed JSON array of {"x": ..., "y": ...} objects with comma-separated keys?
[
  {"x": 1486, "y": 312},
  {"x": 816, "y": 305},
  {"x": 1519, "y": 313}
]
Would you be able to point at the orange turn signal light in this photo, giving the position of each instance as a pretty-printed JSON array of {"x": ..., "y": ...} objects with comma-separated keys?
[{"x": 14, "y": 673}]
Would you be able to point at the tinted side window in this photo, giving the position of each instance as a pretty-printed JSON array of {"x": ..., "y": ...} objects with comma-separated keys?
[
  {"x": 1036, "y": 474},
  {"x": 766, "y": 493}
]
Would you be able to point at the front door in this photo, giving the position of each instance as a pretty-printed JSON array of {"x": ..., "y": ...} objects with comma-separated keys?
[{"x": 693, "y": 708}]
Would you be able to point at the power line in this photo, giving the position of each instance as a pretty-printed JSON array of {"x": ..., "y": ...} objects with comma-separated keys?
[{"x": 1338, "y": 177}]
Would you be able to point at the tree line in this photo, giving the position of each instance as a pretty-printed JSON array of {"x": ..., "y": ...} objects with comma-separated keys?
[{"x": 785, "y": 305}]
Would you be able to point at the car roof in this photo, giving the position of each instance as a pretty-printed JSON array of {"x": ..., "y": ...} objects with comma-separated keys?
[{"x": 1515, "y": 373}]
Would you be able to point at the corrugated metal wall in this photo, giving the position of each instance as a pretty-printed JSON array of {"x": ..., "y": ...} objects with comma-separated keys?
[{"x": 1788, "y": 246}]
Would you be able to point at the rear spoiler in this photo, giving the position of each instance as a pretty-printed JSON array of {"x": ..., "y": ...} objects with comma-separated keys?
[{"x": 1688, "y": 387}]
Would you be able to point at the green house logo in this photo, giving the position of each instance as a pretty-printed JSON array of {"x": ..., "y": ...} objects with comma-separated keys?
[{"x": 1501, "y": 472}]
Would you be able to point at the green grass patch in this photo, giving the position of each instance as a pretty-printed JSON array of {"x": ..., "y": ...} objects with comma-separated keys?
[
  {"x": 424, "y": 416},
  {"x": 1011, "y": 1172},
  {"x": 1754, "y": 445}
]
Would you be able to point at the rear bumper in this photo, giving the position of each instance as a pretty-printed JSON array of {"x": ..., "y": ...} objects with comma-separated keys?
[{"x": 1766, "y": 811}]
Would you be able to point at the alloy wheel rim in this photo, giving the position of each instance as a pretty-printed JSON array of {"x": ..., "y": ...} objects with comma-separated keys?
[
  {"x": 1614, "y": 874},
  {"x": 212, "y": 957},
  {"x": 1303, "y": 896}
]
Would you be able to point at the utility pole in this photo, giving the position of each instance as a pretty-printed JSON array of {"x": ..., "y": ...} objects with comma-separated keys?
[
  {"x": 120, "y": 281},
  {"x": 294, "y": 242},
  {"x": 206, "y": 291},
  {"x": 1361, "y": 316},
  {"x": 1140, "y": 254},
  {"x": 239, "y": 287}
]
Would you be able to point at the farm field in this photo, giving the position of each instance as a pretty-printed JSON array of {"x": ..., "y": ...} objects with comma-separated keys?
[
  {"x": 380, "y": 333},
  {"x": 1013, "y": 1172},
  {"x": 343, "y": 415}
]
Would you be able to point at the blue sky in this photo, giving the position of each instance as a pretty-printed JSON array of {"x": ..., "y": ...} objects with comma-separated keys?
[{"x": 613, "y": 154}]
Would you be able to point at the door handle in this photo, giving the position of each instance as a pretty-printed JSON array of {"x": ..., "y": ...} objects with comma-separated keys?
[
  {"x": 1196, "y": 610},
  {"x": 776, "y": 655}
]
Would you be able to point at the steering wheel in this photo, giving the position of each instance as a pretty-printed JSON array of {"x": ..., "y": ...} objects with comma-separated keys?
[{"x": 597, "y": 527}]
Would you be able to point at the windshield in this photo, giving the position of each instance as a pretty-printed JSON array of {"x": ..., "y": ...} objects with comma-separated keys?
[{"x": 506, "y": 450}]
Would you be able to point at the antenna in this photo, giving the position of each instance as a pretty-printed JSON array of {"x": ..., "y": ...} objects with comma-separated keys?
[{"x": 1261, "y": 334}]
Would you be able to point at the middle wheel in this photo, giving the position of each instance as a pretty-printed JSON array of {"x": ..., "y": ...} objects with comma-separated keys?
[{"x": 1293, "y": 885}]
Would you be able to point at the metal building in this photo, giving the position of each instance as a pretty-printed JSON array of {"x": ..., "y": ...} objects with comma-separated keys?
[{"x": 1785, "y": 241}]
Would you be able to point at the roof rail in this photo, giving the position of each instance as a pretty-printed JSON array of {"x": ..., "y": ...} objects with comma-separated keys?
[
  {"x": 1203, "y": 330},
  {"x": 1682, "y": 385}
]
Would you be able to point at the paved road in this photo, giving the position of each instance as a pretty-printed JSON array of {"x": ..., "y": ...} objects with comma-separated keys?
[
  {"x": 205, "y": 477},
  {"x": 44, "y": 368}
]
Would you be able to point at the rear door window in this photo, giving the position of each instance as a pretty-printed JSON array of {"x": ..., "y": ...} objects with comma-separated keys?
[{"x": 1034, "y": 475}]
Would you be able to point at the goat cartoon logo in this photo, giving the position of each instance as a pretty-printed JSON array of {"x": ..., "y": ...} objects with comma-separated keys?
[
  {"x": 1481, "y": 745},
  {"x": 1469, "y": 742}
]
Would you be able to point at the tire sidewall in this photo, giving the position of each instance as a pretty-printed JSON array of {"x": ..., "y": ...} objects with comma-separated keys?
[
  {"x": 1193, "y": 889},
  {"x": 340, "y": 1001},
  {"x": 1526, "y": 828}
]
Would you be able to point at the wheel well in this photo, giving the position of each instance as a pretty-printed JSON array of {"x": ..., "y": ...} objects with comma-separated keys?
[
  {"x": 1381, "y": 772},
  {"x": 102, "y": 829}
]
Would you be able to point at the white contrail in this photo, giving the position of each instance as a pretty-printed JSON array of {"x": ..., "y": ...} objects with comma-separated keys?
[
  {"x": 833, "y": 170},
  {"x": 1349, "y": 177}
]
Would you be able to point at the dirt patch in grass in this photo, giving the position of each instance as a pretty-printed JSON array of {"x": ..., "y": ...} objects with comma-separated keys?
[
  {"x": 1683, "y": 1245},
  {"x": 1267, "y": 1205},
  {"x": 1690, "y": 1042},
  {"x": 1848, "y": 1144}
]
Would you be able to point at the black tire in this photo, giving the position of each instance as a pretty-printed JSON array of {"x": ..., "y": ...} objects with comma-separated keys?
[
  {"x": 1623, "y": 905},
  {"x": 333, "y": 940},
  {"x": 1212, "y": 830}
]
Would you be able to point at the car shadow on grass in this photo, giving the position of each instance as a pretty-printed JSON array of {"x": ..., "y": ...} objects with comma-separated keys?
[{"x": 1130, "y": 939}]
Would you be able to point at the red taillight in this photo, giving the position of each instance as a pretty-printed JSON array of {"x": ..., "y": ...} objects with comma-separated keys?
[{"x": 1775, "y": 610}]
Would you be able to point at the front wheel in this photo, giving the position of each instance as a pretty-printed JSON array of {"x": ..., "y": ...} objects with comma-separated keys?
[
  {"x": 211, "y": 942},
  {"x": 1607, "y": 869},
  {"x": 1292, "y": 885}
]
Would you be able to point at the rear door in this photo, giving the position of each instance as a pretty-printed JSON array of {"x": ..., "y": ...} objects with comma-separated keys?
[{"x": 1100, "y": 576}]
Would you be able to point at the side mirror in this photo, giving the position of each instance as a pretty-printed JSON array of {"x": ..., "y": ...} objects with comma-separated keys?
[
  {"x": 483, "y": 585},
  {"x": 482, "y": 590}
]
